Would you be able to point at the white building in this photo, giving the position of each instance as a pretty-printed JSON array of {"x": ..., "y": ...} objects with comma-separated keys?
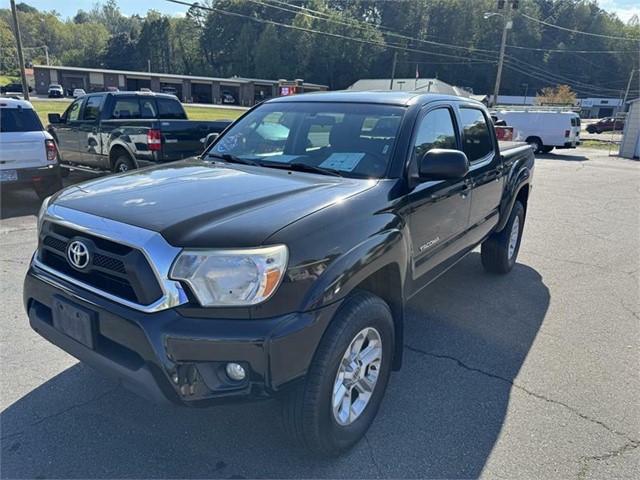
[
  {"x": 630, "y": 145},
  {"x": 599, "y": 107}
]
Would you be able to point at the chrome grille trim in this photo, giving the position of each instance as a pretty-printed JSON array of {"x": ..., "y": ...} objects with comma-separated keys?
[{"x": 153, "y": 246}]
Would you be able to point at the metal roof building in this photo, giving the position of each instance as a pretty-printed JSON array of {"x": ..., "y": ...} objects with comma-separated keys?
[
  {"x": 188, "y": 88},
  {"x": 426, "y": 85}
]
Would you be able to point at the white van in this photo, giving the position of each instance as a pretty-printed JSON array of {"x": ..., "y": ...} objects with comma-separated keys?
[
  {"x": 543, "y": 130},
  {"x": 28, "y": 154}
]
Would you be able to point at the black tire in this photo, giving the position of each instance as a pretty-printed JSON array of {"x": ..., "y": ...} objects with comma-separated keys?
[
  {"x": 546, "y": 149},
  {"x": 535, "y": 143},
  {"x": 123, "y": 164},
  {"x": 598, "y": 131},
  {"x": 48, "y": 188},
  {"x": 64, "y": 172},
  {"x": 307, "y": 414},
  {"x": 495, "y": 249}
]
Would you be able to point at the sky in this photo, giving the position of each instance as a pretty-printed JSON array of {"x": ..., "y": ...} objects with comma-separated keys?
[{"x": 625, "y": 9}]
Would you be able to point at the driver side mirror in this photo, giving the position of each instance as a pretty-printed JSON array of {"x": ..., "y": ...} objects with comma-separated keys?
[
  {"x": 54, "y": 118},
  {"x": 443, "y": 164}
]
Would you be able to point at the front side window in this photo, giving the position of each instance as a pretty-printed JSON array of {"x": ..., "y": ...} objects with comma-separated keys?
[
  {"x": 475, "y": 134},
  {"x": 72, "y": 113},
  {"x": 436, "y": 130},
  {"x": 354, "y": 140}
]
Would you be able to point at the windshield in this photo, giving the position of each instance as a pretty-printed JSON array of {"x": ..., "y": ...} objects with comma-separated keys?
[{"x": 353, "y": 140}]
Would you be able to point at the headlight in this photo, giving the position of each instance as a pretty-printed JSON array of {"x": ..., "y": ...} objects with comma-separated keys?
[
  {"x": 43, "y": 210},
  {"x": 232, "y": 277}
]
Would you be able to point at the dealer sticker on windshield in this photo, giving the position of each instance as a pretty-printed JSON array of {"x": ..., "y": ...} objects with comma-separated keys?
[{"x": 342, "y": 161}]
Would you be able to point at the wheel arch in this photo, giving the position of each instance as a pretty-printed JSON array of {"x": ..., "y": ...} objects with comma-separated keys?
[{"x": 116, "y": 151}]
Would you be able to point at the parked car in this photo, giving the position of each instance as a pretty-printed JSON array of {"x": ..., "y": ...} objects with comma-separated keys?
[
  {"x": 119, "y": 131},
  {"x": 606, "y": 125},
  {"x": 55, "y": 91},
  {"x": 112, "y": 89},
  {"x": 169, "y": 90},
  {"x": 276, "y": 266},
  {"x": 78, "y": 92},
  {"x": 14, "y": 88},
  {"x": 28, "y": 154},
  {"x": 543, "y": 130},
  {"x": 227, "y": 97}
]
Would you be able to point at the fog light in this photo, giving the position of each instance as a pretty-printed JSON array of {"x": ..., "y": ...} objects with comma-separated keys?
[{"x": 235, "y": 371}]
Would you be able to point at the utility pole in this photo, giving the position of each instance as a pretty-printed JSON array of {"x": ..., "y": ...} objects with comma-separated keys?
[
  {"x": 393, "y": 69},
  {"x": 626, "y": 94},
  {"x": 16, "y": 31},
  {"x": 507, "y": 25},
  {"x": 46, "y": 54}
]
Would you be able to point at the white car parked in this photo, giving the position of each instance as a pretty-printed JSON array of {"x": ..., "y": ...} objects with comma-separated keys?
[
  {"x": 78, "y": 92},
  {"x": 28, "y": 154}
]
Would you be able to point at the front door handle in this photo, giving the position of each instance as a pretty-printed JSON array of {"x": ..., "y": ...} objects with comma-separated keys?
[{"x": 466, "y": 190}]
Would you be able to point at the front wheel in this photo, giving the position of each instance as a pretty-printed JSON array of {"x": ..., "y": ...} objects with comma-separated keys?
[
  {"x": 332, "y": 409},
  {"x": 500, "y": 250},
  {"x": 546, "y": 149}
]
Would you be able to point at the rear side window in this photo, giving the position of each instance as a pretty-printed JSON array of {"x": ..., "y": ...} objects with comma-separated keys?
[
  {"x": 475, "y": 134},
  {"x": 126, "y": 108},
  {"x": 170, "y": 109},
  {"x": 92, "y": 108},
  {"x": 19, "y": 120}
]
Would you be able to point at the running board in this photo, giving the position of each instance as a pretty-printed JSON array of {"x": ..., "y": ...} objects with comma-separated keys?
[{"x": 82, "y": 169}]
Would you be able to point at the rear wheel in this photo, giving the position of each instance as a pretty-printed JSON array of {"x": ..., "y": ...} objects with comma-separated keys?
[
  {"x": 535, "y": 143},
  {"x": 123, "y": 164},
  {"x": 500, "y": 250},
  {"x": 331, "y": 410}
]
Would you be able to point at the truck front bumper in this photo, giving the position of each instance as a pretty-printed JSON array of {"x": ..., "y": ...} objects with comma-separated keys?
[{"x": 169, "y": 358}]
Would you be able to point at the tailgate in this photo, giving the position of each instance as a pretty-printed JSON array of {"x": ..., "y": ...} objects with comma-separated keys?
[
  {"x": 22, "y": 150},
  {"x": 182, "y": 138}
]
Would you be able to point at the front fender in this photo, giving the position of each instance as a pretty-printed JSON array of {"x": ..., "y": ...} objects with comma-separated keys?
[{"x": 349, "y": 270}]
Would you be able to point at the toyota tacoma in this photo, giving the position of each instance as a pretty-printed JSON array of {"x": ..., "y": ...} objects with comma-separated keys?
[{"x": 280, "y": 261}]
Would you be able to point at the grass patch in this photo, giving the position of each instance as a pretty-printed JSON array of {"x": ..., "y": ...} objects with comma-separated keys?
[
  {"x": 43, "y": 107},
  {"x": 600, "y": 144},
  {"x": 4, "y": 79}
]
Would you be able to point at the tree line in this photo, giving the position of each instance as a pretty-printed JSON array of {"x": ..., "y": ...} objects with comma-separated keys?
[{"x": 336, "y": 42}]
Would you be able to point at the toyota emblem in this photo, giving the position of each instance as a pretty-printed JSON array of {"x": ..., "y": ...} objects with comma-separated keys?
[{"x": 78, "y": 254}]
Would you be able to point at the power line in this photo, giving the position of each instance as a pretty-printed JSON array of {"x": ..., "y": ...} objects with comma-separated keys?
[
  {"x": 578, "y": 31},
  {"x": 553, "y": 50}
]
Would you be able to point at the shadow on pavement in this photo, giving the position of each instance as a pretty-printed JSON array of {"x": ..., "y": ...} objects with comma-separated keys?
[
  {"x": 467, "y": 336},
  {"x": 562, "y": 156}
]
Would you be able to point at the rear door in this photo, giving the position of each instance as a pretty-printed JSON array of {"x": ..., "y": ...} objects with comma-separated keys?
[
  {"x": 67, "y": 135},
  {"x": 438, "y": 210},
  {"x": 485, "y": 171},
  {"x": 21, "y": 141},
  {"x": 89, "y": 130}
]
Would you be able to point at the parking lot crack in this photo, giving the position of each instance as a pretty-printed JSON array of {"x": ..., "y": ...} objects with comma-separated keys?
[
  {"x": 525, "y": 390},
  {"x": 586, "y": 461},
  {"x": 60, "y": 413},
  {"x": 373, "y": 457}
]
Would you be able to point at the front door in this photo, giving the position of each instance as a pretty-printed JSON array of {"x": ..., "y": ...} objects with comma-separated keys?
[
  {"x": 67, "y": 134},
  {"x": 438, "y": 210}
]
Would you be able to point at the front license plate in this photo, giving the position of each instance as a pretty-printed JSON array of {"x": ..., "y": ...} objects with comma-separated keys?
[
  {"x": 74, "y": 321},
  {"x": 8, "y": 176}
]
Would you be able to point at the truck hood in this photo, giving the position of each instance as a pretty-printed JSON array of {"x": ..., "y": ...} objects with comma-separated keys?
[{"x": 195, "y": 204}]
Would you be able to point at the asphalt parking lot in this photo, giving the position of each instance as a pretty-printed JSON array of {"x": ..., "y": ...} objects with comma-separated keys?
[{"x": 530, "y": 375}]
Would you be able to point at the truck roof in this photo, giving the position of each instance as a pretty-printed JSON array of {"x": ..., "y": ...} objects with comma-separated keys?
[
  {"x": 12, "y": 103},
  {"x": 388, "y": 98},
  {"x": 136, "y": 93}
]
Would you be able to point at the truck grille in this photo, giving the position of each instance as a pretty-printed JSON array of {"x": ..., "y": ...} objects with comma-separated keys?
[{"x": 114, "y": 268}]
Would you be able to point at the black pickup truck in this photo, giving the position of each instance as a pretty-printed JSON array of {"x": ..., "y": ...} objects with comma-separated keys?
[
  {"x": 120, "y": 131},
  {"x": 280, "y": 261}
]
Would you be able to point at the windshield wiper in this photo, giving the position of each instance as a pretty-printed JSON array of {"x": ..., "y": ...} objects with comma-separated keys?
[
  {"x": 233, "y": 159},
  {"x": 303, "y": 167}
]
